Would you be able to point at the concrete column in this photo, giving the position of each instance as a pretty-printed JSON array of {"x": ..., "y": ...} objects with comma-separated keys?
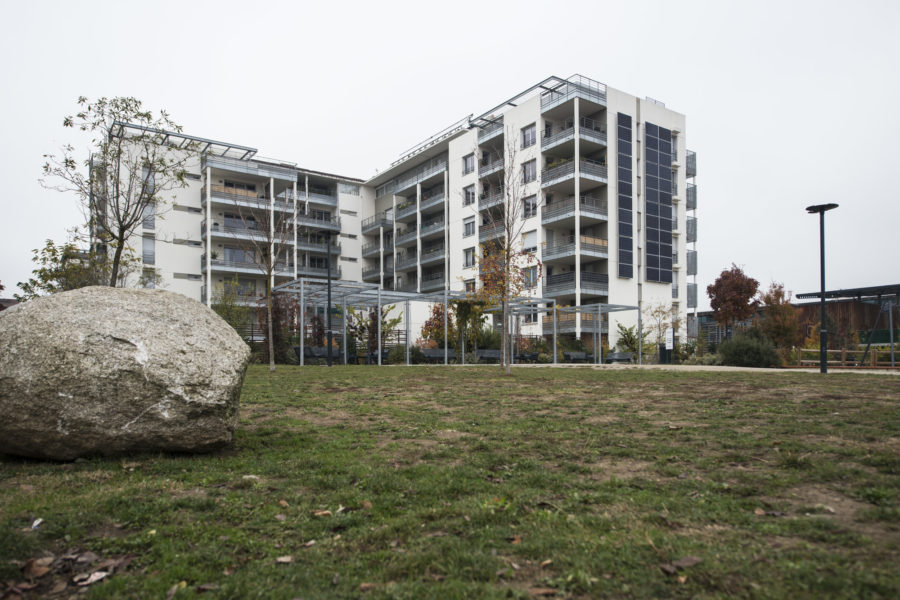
[
  {"x": 295, "y": 229},
  {"x": 272, "y": 229},
  {"x": 418, "y": 237},
  {"x": 208, "y": 236},
  {"x": 302, "y": 322},
  {"x": 577, "y": 218}
]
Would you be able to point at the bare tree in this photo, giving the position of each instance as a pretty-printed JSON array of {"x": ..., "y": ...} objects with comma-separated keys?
[
  {"x": 129, "y": 168},
  {"x": 269, "y": 230},
  {"x": 504, "y": 261}
]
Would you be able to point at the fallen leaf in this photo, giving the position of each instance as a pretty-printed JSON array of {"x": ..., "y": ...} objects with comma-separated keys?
[
  {"x": 759, "y": 512},
  {"x": 682, "y": 579},
  {"x": 283, "y": 503},
  {"x": 59, "y": 588},
  {"x": 515, "y": 566},
  {"x": 207, "y": 587},
  {"x": 309, "y": 544},
  {"x": 686, "y": 562},
  {"x": 228, "y": 571},
  {"x": 542, "y": 592},
  {"x": 87, "y": 558},
  {"x": 321, "y": 513},
  {"x": 280, "y": 517},
  {"x": 93, "y": 578},
  {"x": 341, "y": 508},
  {"x": 336, "y": 538},
  {"x": 37, "y": 567},
  {"x": 365, "y": 504},
  {"x": 516, "y": 539},
  {"x": 500, "y": 573},
  {"x": 365, "y": 587},
  {"x": 668, "y": 569},
  {"x": 284, "y": 560},
  {"x": 546, "y": 563},
  {"x": 466, "y": 517},
  {"x": 335, "y": 579}
]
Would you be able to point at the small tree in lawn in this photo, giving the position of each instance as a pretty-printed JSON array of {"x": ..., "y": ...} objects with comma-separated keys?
[
  {"x": 268, "y": 230},
  {"x": 662, "y": 316},
  {"x": 363, "y": 326},
  {"x": 504, "y": 262},
  {"x": 780, "y": 319},
  {"x": 126, "y": 174},
  {"x": 226, "y": 302},
  {"x": 732, "y": 295},
  {"x": 433, "y": 328}
]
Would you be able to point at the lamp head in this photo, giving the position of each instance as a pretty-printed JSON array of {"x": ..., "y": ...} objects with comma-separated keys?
[{"x": 820, "y": 208}]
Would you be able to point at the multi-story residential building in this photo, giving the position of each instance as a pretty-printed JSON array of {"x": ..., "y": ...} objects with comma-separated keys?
[{"x": 598, "y": 178}]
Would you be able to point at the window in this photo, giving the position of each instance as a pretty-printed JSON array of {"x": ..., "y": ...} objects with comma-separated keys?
[
  {"x": 350, "y": 213},
  {"x": 529, "y": 206},
  {"x": 469, "y": 257},
  {"x": 148, "y": 182},
  {"x": 468, "y": 195},
  {"x": 531, "y": 317},
  {"x": 529, "y": 241},
  {"x": 469, "y": 227},
  {"x": 529, "y": 136},
  {"x": 468, "y": 163},
  {"x": 193, "y": 176},
  {"x": 349, "y": 236},
  {"x": 348, "y": 258},
  {"x": 529, "y": 171},
  {"x": 148, "y": 221},
  {"x": 148, "y": 250},
  {"x": 470, "y": 287},
  {"x": 531, "y": 276},
  {"x": 348, "y": 188}
]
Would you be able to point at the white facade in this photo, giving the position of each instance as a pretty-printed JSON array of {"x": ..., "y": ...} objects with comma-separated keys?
[{"x": 418, "y": 225}]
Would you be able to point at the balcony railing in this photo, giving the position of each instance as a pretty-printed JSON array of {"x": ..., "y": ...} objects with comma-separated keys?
[
  {"x": 593, "y": 168},
  {"x": 565, "y": 322},
  {"x": 691, "y": 229},
  {"x": 582, "y": 87},
  {"x": 383, "y": 219},
  {"x": 554, "y": 139},
  {"x": 566, "y": 247},
  {"x": 406, "y": 208},
  {"x": 317, "y": 245},
  {"x": 431, "y": 201},
  {"x": 250, "y": 232},
  {"x": 588, "y": 205},
  {"x": 281, "y": 268},
  {"x": 375, "y": 272},
  {"x": 494, "y": 198},
  {"x": 674, "y": 290},
  {"x": 692, "y": 295},
  {"x": 691, "y": 262},
  {"x": 319, "y": 222},
  {"x": 430, "y": 255},
  {"x": 557, "y": 173},
  {"x": 564, "y": 283},
  {"x": 406, "y": 235},
  {"x": 432, "y": 226},
  {"x": 690, "y": 168},
  {"x": 592, "y": 130},
  {"x": 490, "y": 131},
  {"x": 486, "y": 232},
  {"x": 485, "y": 169},
  {"x": 691, "y": 195},
  {"x": 404, "y": 261},
  {"x": 431, "y": 282},
  {"x": 421, "y": 173}
]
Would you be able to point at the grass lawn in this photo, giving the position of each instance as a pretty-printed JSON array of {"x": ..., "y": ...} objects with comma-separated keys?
[{"x": 412, "y": 482}]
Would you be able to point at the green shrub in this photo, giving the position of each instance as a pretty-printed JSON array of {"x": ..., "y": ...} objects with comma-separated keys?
[
  {"x": 750, "y": 349},
  {"x": 397, "y": 355},
  {"x": 544, "y": 357}
]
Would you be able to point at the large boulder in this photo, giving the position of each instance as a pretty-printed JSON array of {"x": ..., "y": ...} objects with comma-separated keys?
[{"x": 102, "y": 370}]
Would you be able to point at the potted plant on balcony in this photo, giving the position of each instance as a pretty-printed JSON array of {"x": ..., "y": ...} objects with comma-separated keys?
[{"x": 214, "y": 255}]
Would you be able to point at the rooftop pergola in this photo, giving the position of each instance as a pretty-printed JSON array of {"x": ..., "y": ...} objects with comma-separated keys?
[{"x": 313, "y": 291}]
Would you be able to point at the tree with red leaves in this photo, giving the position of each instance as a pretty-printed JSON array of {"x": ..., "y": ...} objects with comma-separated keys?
[{"x": 732, "y": 296}]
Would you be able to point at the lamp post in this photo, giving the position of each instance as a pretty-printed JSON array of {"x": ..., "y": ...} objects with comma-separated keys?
[
  {"x": 328, "y": 306},
  {"x": 823, "y": 334}
]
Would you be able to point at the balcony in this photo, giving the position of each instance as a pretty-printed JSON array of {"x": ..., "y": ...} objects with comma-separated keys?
[
  {"x": 383, "y": 219},
  {"x": 588, "y": 169},
  {"x": 432, "y": 255},
  {"x": 582, "y": 87},
  {"x": 406, "y": 236},
  {"x": 419, "y": 174},
  {"x": 589, "y": 206},
  {"x": 490, "y": 200},
  {"x": 319, "y": 271},
  {"x": 243, "y": 233},
  {"x": 432, "y": 282},
  {"x": 674, "y": 290},
  {"x": 592, "y": 169},
  {"x": 692, "y": 295},
  {"x": 406, "y": 209},
  {"x": 321, "y": 196},
  {"x": 431, "y": 201},
  {"x": 691, "y": 195},
  {"x": 282, "y": 269},
  {"x": 565, "y": 248},
  {"x": 369, "y": 250},
  {"x": 565, "y": 323},
  {"x": 491, "y": 131},
  {"x": 374, "y": 273},
  {"x": 316, "y": 245},
  {"x": 691, "y": 262},
  {"x": 563, "y": 284},
  {"x": 431, "y": 228},
  {"x": 407, "y": 261},
  {"x": 691, "y": 230},
  {"x": 591, "y": 131},
  {"x": 319, "y": 221},
  {"x": 690, "y": 169},
  {"x": 489, "y": 168},
  {"x": 486, "y": 232},
  {"x": 555, "y": 139}
]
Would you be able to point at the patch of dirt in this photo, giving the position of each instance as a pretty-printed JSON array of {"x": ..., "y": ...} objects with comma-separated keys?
[
  {"x": 324, "y": 419},
  {"x": 621, "y": 468}
]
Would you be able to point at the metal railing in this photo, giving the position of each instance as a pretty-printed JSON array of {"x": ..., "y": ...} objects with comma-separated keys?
[
  {"x": 553, "y": 139},
  {"x": 405, "y": 261},
  {"x": 562, "y": 171},
  {"x": 582, "y": 87},
  {"x": 588, "y": 204},
  {"x": 488, "y": 231},
  {"x": 245, "y": 231},
  {"x": 592, "y": 167},
  {"x": 690, "y": 169},
  {"x": 692, "y": 229},
  {"x": 489, "y": 131},
  {"x": 414, "y": 176},
  {"x": 488, "y": 200},
  {"x": 406, "y": 235},
  {"x": 565, "y": 281},
  {"x": 591, "y": 129},
  {"x": 485, "y": 169},
  {"x": 691, "y": 195},
  {"x": 431, "y": 201},
  {"x": 566, "y": 246},
  {"x": 383, "y": 219},
  {"x": 322, "y": 222},
  {"x": 373, "y": 248},
  {"x": 405, "y": 209},
  {"x": 432, "y": 226},
  {"x": 433, "y": 281},
  {"x": 432, "y": 254},
  {"x": 316, "y": 245}
]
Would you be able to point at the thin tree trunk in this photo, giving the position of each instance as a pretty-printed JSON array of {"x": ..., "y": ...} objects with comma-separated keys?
[
  {"x": 269, "y": 325},
  {"x": 114, "y": 274}
]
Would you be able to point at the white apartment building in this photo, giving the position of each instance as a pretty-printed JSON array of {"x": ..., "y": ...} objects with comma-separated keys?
[{"x": 601, "y": 180}]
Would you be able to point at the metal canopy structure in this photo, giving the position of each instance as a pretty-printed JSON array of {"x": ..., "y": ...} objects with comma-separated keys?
[
  {"x": 887, "y": 296},
  {"x": 598, "y": 309},
  {"x": 180, "y": 140}
]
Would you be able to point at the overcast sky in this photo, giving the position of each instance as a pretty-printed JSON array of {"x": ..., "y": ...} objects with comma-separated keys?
[{"x": 788, "y": 103}]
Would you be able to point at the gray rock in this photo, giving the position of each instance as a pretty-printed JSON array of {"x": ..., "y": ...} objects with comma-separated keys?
[{"x": 102, "y": 370}]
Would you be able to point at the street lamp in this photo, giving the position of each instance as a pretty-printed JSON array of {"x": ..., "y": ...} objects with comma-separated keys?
[{"x": 823, "y": 334}]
